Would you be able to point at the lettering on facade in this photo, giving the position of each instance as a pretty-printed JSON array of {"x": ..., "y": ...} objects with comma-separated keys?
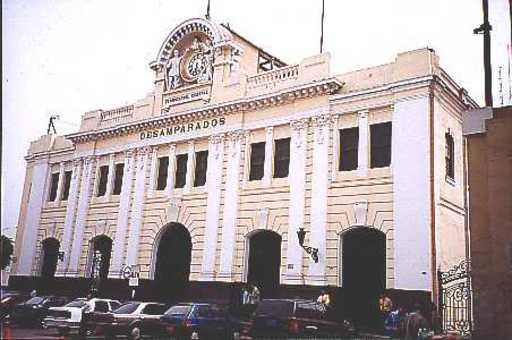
[
  {"x": 186, "y": 97},
  {"x": 183, "y": 128}
]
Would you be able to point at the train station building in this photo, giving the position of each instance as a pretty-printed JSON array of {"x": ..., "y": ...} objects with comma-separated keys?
[{"x": 207, "y": 182}]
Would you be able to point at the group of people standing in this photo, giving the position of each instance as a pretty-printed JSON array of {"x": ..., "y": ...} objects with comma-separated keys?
[{"x": 409, "y": 325}]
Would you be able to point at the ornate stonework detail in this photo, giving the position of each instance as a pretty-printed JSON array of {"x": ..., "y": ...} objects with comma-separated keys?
[
  {"x": 321, "y": 123},
  {"x": 172, "y": 148},
  {"x": 173, "y": 210},
  {"x": 269, "y": 130},
  {"x": 262, "y": 218},
  {"x": 216, "y": 141},
  {"x": 298, "y": 128},
  {"x": 362, "y": 114},
  {"x": 360, "y": 212}
]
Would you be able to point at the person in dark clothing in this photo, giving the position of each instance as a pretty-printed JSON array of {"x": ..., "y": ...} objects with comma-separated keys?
[{"x": 413, "y": 323}]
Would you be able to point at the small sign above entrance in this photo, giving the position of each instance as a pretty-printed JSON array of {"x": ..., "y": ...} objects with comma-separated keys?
[{"x": 185, "y": 97}]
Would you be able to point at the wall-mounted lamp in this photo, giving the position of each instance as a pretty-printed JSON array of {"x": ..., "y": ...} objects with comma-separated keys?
[
  {"x": 61, "y": 256},
  {"x": 313, "y": 252}
]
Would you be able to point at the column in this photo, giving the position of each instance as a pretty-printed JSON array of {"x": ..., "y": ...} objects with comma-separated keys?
[
  {"x": 153, "y": 172},
  {"x": 69, "y": 220},
  {"x": 297, "y": 180},
  {"x": 362, "y": 147},
  {"x": 33, "y": 214},
  {"x": 213, "y": 184},
  {"x": 110, "y": 178},
  {"x": 137, "y": 206},
  {"x": 83, "y": 206},
  {"x": 171, "y": 170},
  {"x": 190, "y": 166},
  {"x": 231, "y": 200},
  {"x": 269, "y": 155},
  {"x": 60, "y": 183},
  {"x": 119, "y": 243},
  {"x": 320, "y": 181},
  {"x": 410, "y": 157}
]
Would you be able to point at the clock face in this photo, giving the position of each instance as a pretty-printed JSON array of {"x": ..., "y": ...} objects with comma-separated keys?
[{"x": 196, "y": 65}]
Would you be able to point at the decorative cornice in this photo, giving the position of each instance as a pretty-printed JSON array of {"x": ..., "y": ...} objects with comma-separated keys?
[{"x": 325, "y": 87}]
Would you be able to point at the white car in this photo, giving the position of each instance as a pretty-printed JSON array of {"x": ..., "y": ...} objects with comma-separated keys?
[{"x": 71, "y": 318}]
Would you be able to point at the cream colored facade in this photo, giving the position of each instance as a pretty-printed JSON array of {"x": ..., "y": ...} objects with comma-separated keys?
[{"x": 411, "y": 201}]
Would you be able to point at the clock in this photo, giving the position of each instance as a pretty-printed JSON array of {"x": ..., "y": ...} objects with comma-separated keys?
[{"x": 197, "y": 65}]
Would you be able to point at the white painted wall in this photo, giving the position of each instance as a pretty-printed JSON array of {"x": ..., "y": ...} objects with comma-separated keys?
[
  {"x": 35, "y": 203},
  {"x": 411, "y": 194}
]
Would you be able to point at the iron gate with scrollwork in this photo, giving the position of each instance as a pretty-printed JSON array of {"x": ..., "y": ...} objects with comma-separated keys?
[{"x": 455, "y": 299}]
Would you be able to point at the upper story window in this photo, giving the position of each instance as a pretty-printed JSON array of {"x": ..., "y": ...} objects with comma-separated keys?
[
  {"x": 102, "y": 181},
  {"x": 281, "y": 157},
  {"x": 450, "y": 156},
  {"x": 380, "y": 144},
  {"x": 201, "y": 167},
  {"x": 118, "y": 179},
  {"x": 349, "y": 141},
  {"x": 181, "y": 170},
  {"x": 53, "y": 187},
  {"x": 163, "y": 166},
  {"x": 257, "y": 165},
  {"x": 67, "y": 184}
]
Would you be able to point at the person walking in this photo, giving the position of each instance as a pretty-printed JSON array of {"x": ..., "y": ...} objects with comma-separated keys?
[
  {"x": 385, "y": 307},
  {"x": 324, "y": 299}
]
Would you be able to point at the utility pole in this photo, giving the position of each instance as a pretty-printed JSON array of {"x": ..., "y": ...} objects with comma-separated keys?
[
  {"x": 485, "y": 29},
  {"x": 322, "y": 27},
  {"x": 208, "y": 11}
]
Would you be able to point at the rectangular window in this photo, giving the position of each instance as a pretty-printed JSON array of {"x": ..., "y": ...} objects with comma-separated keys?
[
  {"x": 282, "y": 158},
  {"x": 163, "y": 166},
  {"x": 449, "y": 158},
  {"x": 67, "y": 183},
  {"x": 53, "y": 187},
  {"x": 181, "y": 170},
  {"x": 380, "y": 140},
  {"x": 102, "y": 181},
  {"x": 201, "y": 167},
  {"x": 257, "y": 161},
  {"x": 118, "y": 179},
  {"x": 349, "y": 141}
]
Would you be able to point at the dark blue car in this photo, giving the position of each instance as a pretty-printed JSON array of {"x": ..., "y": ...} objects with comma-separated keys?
[{"x": 198, "y": 321}]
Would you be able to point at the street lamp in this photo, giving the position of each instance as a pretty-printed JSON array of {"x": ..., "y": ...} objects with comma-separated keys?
[{"x": 313, "y": 252}]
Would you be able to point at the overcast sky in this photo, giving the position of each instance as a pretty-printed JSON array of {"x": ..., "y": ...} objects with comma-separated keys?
[{"x": 67, "y": 57}]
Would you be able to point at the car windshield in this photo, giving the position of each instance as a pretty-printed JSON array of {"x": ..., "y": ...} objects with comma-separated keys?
[
  {"x": 127, "y": 308},
  {"x": 77, "y": 303},
  {"x": 178, "y": 310},
  {"x": 35, "y": 300},
  {"x": 275, "y": 308}
]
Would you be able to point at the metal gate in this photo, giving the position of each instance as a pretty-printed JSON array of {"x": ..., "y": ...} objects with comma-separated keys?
[{"x": 455, "y": 299}]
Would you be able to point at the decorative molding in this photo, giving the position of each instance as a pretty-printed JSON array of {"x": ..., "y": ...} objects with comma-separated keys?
[
  {"x": 100, "y": 227},
  {"x": 298, "y": 126},
  {"x": 262, "y": 218},
  {"x": 360, "y": 212},
  {"x": 173, "y": 210}
]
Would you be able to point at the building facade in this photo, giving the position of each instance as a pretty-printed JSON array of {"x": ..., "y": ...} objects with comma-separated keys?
[
  {"x": 209, "y": 178},
  {"x": 488, "y": 134}
]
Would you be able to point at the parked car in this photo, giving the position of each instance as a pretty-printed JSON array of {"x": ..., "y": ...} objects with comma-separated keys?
[
  {"x": 295, "y": 318},
  {"x": 33, "y": 311},
  {"x": 73, "y": 317},
  {"x": 198, "y": 320},
  {"x": 9, "y": 299},
  {"x": 132, "y": 318}
]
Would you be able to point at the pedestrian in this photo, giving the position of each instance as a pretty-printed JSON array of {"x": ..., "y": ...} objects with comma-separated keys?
[
  {"x": 414, "y": 323},
  {"x": 435, "y": 322},
  {"x": 245, "y": 295},
  {"x": 385, "y": 306},
  {"x": 393, "y": 322},
  {"x": 254, "y": 295},
  {"x": 33, "y": 293},
  {"x": 324, "y": 299}
]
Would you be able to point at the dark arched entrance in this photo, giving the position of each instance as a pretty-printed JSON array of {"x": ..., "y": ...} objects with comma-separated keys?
[
  {"x": 50, "y": 257},
  {"x": 265, "y": 261},
  {"x": 101, "y": 247},
  {"x": 172, "y": 268},
  {"x": 364, "y": 274}
]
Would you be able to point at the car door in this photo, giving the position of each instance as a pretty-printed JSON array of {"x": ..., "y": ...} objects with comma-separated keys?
[{"x": 150, "y": 317}]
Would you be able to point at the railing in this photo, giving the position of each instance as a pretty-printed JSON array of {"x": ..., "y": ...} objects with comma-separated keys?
[
  {"x": 272, "y": 79},
  {"x": 116, "y": 116}
]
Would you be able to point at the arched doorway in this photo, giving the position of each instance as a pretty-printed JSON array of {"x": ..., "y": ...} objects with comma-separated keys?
[
  {"x": 172, "y": 267},
  {"x": 50, "y": 256},
  {"x": 264, "y": 261},
  {"x": 364, "y": 274},
  {"x": 100, "y": 252}
]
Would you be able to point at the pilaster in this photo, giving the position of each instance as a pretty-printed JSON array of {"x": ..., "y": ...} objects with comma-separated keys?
[
  {"x": 231, "y": 200},
  {"x": 297, "y": 179},
  {"x": 190, "y": 166},
  {"x": 118, "y": 246},
  {"x": 83, "y": 207},
  {"x": 213, "y": 184},
  {"x": 110, "y": 177},
  {"x": 362, "y": 147},
  {"x": 153, "y": 172},
  {"x": 269, "y": 155},
  {"x": 171, "y": 170},
  {"x": 60, "y": 183}
]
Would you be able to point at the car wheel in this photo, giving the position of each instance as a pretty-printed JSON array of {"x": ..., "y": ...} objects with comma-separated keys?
[{"x": 135, "y": 332}]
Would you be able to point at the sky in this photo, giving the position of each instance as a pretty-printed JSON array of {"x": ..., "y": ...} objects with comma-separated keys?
[{"x": 68, "y": 57}]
